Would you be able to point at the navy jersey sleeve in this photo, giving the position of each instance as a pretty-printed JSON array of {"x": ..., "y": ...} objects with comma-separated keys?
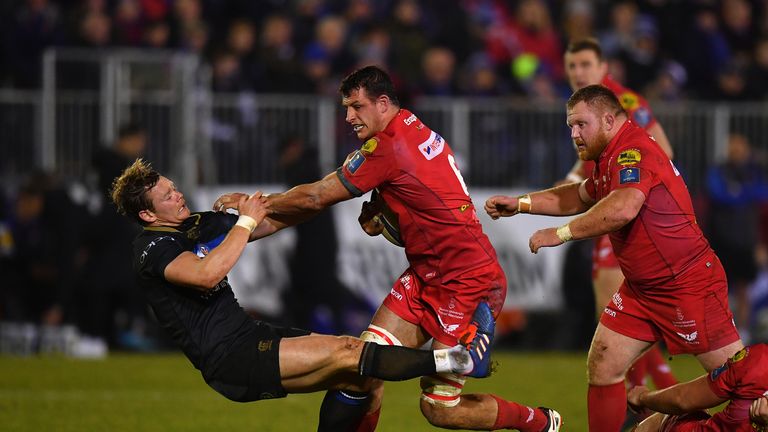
[{"x": 158, "y": 254}]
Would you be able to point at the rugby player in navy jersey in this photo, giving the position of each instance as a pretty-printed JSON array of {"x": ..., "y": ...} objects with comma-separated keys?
[{"x": 181, "y": 260}]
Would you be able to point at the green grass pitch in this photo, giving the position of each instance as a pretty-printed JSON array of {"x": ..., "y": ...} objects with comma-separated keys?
[{"x": 165, "y": 393}]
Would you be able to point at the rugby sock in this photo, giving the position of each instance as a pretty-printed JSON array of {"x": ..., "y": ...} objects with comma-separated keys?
[
  {"x": 606, "y": 407},
  {"x": 636, "y": 373},
  {"x": 341, "y": 410},
  {"x": 511, "y": 415},
  {"x": 368, "y": 422},
  {"x": 396, "y": 363},
  {"x": 658, "y": 368}
]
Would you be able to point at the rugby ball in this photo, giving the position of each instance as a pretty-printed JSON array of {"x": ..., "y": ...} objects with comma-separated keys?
[{"x": 388, "y": 218}]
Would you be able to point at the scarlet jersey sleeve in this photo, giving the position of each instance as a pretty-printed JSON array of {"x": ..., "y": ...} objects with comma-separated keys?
[
  {"x": 743, "y": 376},
  {"x": 635, "y": 165},
  {"x": 636, "y": 106},
  {"x": 368, "y": 167}
]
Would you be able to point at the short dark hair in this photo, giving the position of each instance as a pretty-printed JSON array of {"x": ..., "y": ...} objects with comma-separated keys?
[
  {"x": 130, "y": 129},
  {"x": 129, "y": 191},
  {"x": 374, "y": 80},
  {"x": 588, "y": 44},
  {"x": 597, "y": 97}
]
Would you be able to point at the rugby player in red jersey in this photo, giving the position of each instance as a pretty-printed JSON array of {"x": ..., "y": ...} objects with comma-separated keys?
[
  {"x": 674, "y": 289},
  {"x": 585, "y": 65},
  {"x": 453, "y": 266},
  {"x": 742, "y": 380}
]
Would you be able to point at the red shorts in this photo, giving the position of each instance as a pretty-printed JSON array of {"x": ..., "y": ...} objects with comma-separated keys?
[
  {"x": 444, "y": 311},
  {"x": 697, "y": 421},
  {"x": 602, "y": 255},
  {"x": 691, "y": 315}
]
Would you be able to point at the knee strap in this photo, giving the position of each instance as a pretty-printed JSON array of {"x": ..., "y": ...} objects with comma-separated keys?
[
  {"x": 380, "y": 336},
  {"x": 442, "y": 389}
]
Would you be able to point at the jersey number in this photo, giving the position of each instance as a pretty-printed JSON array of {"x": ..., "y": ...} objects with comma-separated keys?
[{"x": 452, "y": 161}]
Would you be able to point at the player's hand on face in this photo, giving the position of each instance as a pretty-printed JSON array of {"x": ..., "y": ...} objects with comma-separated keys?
[
  {"x": 634, "y": 395},
  {"x": 369, "y": 219},
  {"x": 228, "y": 201},
  {"x": 254, "y": 206},
  {"x": 501, "y": 206},
  {"x": 758, "y": 411},
  {"x": 544, "y": 238}
]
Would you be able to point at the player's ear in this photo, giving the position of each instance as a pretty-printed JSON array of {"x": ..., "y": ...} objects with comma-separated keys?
[
  {"x": 147, "y": 216},
  {"x": 383, "y": 103},
  {"x": 609, "y": 120}
]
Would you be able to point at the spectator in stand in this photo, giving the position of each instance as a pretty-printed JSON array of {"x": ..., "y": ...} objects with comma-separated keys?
[
  {"x": 409, "y": 42},
  {"x": 331, "y": 37},
  {"x": 707, "y": 51},
  {"x": 578, "y": 20},
  {"x": 642, "y": 59},
  {"x": 620, "y": 36},
  {"x": 128, "y": 23},
  {"x": 438, "y": 77},
  {"x": 757, "y": 73},
  {"x": 241, "y": 43},
  {"x": 282, "y": 62},
  {"x": 34, "y": 27},
  {"x": 736, "y": 189},
  {"x": 739, "y": 27},
  {"x": 731, "y": 83}
]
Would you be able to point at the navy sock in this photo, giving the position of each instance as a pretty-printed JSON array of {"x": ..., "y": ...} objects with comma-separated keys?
[{"x": 341, "y": 410}]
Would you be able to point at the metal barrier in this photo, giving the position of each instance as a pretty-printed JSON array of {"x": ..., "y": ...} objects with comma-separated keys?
[{"x": 204, "y": 138}]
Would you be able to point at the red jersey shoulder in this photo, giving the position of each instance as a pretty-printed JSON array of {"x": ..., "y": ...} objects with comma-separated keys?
[
  {"x": 750, "y": 363},
  {"x": 635, "y": 105}
]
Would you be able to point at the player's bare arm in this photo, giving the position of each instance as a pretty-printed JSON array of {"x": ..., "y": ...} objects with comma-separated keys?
[
  {"x": 608, "y": 215},
  {"x": 562, "y": 200},
  {"x": 308, "y": 198},
  {"x": 679, "y": 399},
  {"x": 203, "y": 274},
  {"x": 658, "y": 134}
]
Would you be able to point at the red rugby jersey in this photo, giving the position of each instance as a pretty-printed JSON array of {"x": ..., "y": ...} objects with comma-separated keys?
[
  {"x": 664, "y": 240},
  {"x": 637, "y": 109},
  {"x": 743, "y": 378},
  {"x": 416, "y": 173}
]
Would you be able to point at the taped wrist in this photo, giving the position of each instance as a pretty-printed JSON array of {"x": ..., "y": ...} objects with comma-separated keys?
[
  {"x": 246, "y": 222},
  {"x": 524, "y": 204}
]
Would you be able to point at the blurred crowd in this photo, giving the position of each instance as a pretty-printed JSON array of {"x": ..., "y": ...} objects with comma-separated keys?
[
  {"x": 666, "y": 49},
  {"x": 63, "y": 255}
]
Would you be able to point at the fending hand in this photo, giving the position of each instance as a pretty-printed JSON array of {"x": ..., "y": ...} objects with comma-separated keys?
[
  {"x": 501, "y": 206},
  {"x": 228, "y": 201}
]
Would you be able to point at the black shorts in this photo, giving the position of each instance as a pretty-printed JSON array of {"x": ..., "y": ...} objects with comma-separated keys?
[{"x": 251, "y": 371}]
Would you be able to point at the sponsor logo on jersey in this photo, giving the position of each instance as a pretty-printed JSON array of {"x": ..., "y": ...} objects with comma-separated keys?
[
  {"x": 629, "y": 175},
  {"x": 355, "y": 162},
  {"x": 642, "y": 117},
  {"x": 406, "y": 281},
  {"x": 628, "y": 100},
  {"x": 203, "y": 249},
  {"x": 610, "y": 312},
  {"x": 629, "y": 157},
  {"x": 464, "y": 207},
  {"x": 689, "y": 337},
  {"x": 617, "y": 301},
  {"x": 265, "y": 345},
  {"x": 395, "y": 294},
  {"x": 739, "y": 356},
  {"x": 408, "y": 121},
  {"x": 369, "y": 146},
  {"x": 432, "y": 147}
]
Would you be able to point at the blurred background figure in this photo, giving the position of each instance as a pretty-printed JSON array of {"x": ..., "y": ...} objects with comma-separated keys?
[
  {"x": 318, "y": 300},
  {"x": 736, "y": 189},
  {"x": 110, "y": 304}
]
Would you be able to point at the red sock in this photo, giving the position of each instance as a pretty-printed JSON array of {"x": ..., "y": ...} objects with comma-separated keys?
[
  {"x": 658, "y": 368},
  {"x": 636, "y": 374},
  {"x": 512, "y": 415},
  {"x": 368, "y": 422},
  {"x": 606, "y": 407}
]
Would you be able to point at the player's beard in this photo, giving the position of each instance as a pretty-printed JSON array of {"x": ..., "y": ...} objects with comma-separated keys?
[{"x": 595, "y": 148}]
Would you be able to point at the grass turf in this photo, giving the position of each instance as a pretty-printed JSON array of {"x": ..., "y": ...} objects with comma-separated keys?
[{"x": 165, "y": 393}]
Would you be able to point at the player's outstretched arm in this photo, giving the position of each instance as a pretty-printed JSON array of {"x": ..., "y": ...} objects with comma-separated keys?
[
  {"x": 679, "y": 399},
  {"x": 189, "y": 270}
]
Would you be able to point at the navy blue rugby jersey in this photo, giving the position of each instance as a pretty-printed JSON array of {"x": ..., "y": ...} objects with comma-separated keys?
[{"x": 205, "y": 324}]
